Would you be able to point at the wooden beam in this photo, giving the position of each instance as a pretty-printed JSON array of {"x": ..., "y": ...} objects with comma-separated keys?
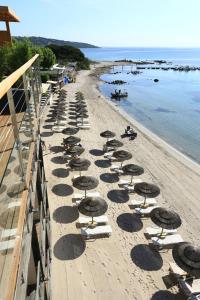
[{"x": 7, "y": 83}]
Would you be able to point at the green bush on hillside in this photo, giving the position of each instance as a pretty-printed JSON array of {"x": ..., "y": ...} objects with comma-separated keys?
[{"x": 66, "y": 54}]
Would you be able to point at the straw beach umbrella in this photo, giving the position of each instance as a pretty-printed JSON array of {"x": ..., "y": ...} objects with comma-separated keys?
[
  {"x": 93, "y": 207},
  {"x": 70, "y": 130},
  {"x": 75, "y": 150},
  {"x": 71, "y": 140},
  {"x": 114, "y": 143},
  {"x": 107, "y": 134},
  {"x": 132, "y": 170},
  {"x": 85, "y": 183},
  {"x": 122, "y": 155},
  {"x": 187, "y": 257},
  {"x": 79, "y": 164},
  {"x": 147, "y": 190},
  {"x": 165, "y": 218}
]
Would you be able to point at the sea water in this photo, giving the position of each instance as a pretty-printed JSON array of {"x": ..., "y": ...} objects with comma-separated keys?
[{"x": 171, "y": 107}]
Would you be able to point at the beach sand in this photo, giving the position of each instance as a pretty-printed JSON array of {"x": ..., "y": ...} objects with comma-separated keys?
[{"x": 122, "y": 266}]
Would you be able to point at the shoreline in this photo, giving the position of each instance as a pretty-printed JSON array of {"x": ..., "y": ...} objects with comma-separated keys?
[
  {"x": 101, "y": 262},
  {"x": 153, "y": 137}
]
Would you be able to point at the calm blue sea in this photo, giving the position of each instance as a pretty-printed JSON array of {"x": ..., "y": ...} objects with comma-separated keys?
[{"x": 169, "y": 108}]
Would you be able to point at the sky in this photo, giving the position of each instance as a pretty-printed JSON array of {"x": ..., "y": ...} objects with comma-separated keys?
[{"x": 111, "y": 23}]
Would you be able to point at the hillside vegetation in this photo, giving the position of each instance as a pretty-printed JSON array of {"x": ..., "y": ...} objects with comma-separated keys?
[
  {"x": 66, "y": 54},
  {"x": 41, "y": 41}
]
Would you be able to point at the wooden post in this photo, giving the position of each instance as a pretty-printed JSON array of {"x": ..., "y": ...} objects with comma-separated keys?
[{"x": 27, "y": 103}]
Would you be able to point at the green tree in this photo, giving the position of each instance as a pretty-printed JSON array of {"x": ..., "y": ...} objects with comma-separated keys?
[
  {"x": 48, "y": 58},
  {"x": 65, "y": 54}
]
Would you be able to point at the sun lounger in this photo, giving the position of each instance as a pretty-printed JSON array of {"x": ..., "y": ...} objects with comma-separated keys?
[
  {"x": 145, "y": 211},
  {"x": 190, "y": 287},
  {"x": 168, "y": 242},
  {"x": 58, "y": 128},
  {"x": 77, "y": 196},
  {"x": 115, "y": 167},
  {"x": 83, "y": 126},
  {"x": 96, "y": 231},
  {"x": 99, "y": 220},
  {"x": 78, "y": 120},
  {"x": 126, "y": 183},
  {"x": 108, "y": 149},
  {"x": 108, "y": 154},
  {"x": 139, "y": 202},
  {"x": 156, "y": 231}
]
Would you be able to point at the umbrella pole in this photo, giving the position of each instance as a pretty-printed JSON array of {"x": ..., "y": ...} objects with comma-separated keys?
[
  {"x": 131, "y": 180},
  {"x": 144, "y": 201},
  {"x": 85, "y": 193}
]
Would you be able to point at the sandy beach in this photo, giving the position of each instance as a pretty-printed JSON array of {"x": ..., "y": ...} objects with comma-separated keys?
[{"x": 122, "y": 266}]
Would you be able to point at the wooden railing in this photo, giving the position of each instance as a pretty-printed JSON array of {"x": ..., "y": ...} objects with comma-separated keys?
[{"x": 6, "y": 88}]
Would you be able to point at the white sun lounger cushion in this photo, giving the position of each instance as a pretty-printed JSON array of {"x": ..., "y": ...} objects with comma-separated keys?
[
  {"x": 84, "y": 126},
  {"x": 108, "y": 154},
  {"x": 86, "y": 220},
  {"x": 115, "y": 167},
  {"x": 77, "y": 196},
  {"x": 168, "y": 240},
  {"x": 98, "y": 230},
  {"x": 144, "y": 211},
  {"x": 139, "y": 202},
  {"x": 126, "y": 182},
  {"x": 155, "y": 231}
]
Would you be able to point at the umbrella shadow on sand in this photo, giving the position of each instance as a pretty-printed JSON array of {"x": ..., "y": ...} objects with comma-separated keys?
[
  {"x": 65, "y": 214},
  {"x": 109, "y": 177},
  {"x": 102, "y": 163},
  {"x": 146, "y": 258},
  {"x": 60, "y": 173},
  {"x": 129, "y": 222},
  {"x": 118, "y": 196},
  {"x": 96, "y": 152},
  {"x": 62, "y": 190},
  {"x": 69, "y": 247},
  {"x": 167, "y": 295},
  {"x": 59, "y": 160},
  {"x": 56, "y": 149}
]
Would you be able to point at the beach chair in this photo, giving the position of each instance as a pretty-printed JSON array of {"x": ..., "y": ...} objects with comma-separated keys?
[
  {"x": 125, "y": 183},
  {"x": 155, "y": 231},
  {"x": 86, "y": 220},
  {"x": 168, "y": 242},
  {"x": 83, "y": 126},
  {"x": 190, "y": 287},
  {"x": 139, "y": 202},
  {"x": 58, "y": 128},
  {"x": 88, "y": 232},
  {"x": 115, "y": 168},
  {"x": 145, "y": 212},
  {"x": 108, "y": 154},
  {"x": 77, "y": 196}
]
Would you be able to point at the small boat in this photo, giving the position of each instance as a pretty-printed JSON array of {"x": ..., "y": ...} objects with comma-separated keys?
[{"x": 118, "y": 95}]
